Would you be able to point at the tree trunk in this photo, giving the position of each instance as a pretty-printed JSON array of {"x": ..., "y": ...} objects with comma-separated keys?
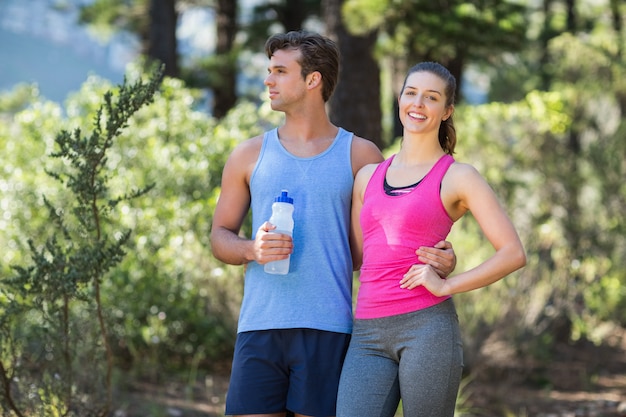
[
  {"x": 355, "y": 105},
  {"x": 161, "y": 43},
  {"x": 571, "y": 22},
  {"x": 293, "y": 14},
  {"x": 225, "y": 94},
  {"x": 616, "y": 18},
  {"x": 544, "y": 40}
]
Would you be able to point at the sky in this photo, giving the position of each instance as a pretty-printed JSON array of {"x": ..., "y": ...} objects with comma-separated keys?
[{"x": 47, "y": 47}]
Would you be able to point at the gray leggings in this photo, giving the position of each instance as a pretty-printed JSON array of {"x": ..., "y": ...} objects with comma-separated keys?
[{"x": 416, "y": 356}]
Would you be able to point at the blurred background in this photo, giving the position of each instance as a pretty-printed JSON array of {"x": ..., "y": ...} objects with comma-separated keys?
[
  {"x": 111, "y": 302},
  {"x": 45, "y": 44}
]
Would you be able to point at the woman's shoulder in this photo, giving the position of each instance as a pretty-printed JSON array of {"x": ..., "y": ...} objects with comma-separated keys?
[
  {"x": 368, "y": 170},
  {"x": 463, "y": 176},
  {"x": 462, "y": 169},
  {"x": 364, "y": 175}
]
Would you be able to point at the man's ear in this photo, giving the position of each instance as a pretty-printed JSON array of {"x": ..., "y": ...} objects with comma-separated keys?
[{"x": 314, "y": 79}]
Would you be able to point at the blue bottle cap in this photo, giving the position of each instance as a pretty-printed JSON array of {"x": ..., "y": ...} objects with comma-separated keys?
[{"x": 283, "y": 198}]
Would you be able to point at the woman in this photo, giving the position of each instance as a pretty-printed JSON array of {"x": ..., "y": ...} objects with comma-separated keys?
[{"x": 406, "y": 341}]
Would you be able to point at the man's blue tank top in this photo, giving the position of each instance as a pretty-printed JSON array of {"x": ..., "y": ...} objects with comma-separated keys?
[{"x": 317, "y": 291}]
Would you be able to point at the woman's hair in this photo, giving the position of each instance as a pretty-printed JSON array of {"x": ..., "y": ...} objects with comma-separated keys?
[
  {"x": 447, "y": 132},
  {"x": 318, "y": 53}
]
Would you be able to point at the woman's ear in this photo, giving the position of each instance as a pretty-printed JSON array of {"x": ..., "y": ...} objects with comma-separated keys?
[{"x": 448, "y": 113}]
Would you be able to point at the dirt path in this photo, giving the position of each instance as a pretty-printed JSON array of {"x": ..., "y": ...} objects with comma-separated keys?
[{"x": 583, "y": 381}]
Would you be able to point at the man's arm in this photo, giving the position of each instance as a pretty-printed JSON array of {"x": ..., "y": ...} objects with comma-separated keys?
[
  {"x": 231, "y": 209},
  {"x": 441, "y": 257}
]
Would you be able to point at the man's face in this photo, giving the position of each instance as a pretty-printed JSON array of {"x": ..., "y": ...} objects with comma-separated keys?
[{"x": 284, "y": 79}]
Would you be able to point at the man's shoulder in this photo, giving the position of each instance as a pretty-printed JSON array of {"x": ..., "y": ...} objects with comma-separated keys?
[
  {"x": 248, "y": 148},
  {"x": 253, "y": 142},
  {"x": 365, "y": 151}
]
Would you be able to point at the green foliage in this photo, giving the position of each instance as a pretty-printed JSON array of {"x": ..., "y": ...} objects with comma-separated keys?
[
  {"x": 276, "y": 16},
  {"x": 20, "y": 97},
  {"x": 104, "y": 14},
  {"x": 172, "y": 299},
  {"x": 52, "y": 317},
  {"x": 26, "y": 135},
  {"x": 555, "y": 158},
  {"x": 363, "y": 16},
  {"x": 168, "y": 304},
  {"x": 556, "y": 161},
  {"x": 438, "y": 30}
]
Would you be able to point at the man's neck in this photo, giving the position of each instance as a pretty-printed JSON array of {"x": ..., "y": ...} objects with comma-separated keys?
[{"x": 307, "y": 126}]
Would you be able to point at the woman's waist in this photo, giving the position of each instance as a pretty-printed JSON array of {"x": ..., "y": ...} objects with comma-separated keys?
[
  {"x": 386, "y": 298},
  {"x": 387, "y": 267},
  {"x": 389, "y": 255}
]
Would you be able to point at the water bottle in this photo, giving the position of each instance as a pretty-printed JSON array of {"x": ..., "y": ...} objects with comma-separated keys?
[{"x": 282, "y": 218}]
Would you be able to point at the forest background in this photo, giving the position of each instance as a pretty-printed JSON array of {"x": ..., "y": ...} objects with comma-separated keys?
[{"x": 106, "y": 274}]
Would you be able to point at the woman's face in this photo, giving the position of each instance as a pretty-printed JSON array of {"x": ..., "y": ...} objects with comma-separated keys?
[{"x": 422, "y": 103}]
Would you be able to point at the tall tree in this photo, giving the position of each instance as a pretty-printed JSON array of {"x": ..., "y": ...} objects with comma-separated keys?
[
  {"x": 618, "y": 26},
  {"x": 155, "y": 23},
  {"x": 218, "y": 71},
  {"x": 356, "y": 103},
  {"x": 452, "y": 32},
  {"x": 288, "y": 14},
  {"x": 352, "y": 106},
  {"x": 160, "y": 43},
  {"x": 225, "y": 89}
]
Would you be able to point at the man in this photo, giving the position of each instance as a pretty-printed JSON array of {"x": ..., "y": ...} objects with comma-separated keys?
[{"x": 294, "y": 329}]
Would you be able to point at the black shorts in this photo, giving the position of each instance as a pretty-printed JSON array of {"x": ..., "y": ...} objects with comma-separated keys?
[{"x": 286, "y": 369}]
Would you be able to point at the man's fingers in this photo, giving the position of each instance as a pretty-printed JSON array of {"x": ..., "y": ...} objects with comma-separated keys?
[{"x": 443, "y": 244}]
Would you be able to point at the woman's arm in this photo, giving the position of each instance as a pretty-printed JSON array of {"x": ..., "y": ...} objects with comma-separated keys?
[{"x": 464, "y": 189}]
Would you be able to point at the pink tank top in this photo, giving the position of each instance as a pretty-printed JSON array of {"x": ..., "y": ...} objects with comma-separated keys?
[{"x": 393, "y": 228}]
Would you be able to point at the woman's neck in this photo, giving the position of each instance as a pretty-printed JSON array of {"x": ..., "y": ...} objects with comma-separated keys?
[{"x": 420, "y": 150}]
